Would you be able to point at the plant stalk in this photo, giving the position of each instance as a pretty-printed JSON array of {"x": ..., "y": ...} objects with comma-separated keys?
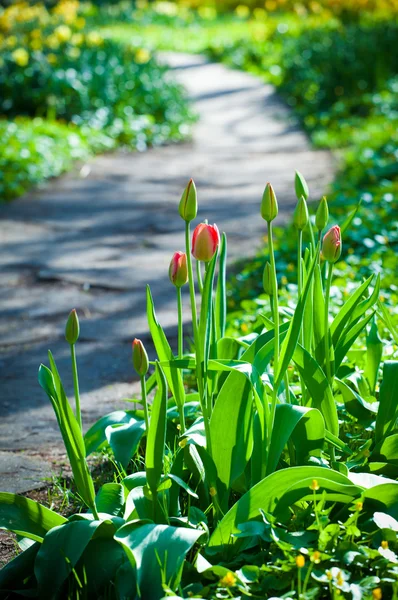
[
  {"x": 180, "y": 324},
  {"x": 76, "y": 386},
  {"x": 327, "y": 298}
]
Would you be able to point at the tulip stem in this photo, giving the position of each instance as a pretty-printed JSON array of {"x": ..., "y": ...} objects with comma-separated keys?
[
  {"x": 199, "y": 375},
  {"x": 76, "y": 386},
  {"x": 144, "y": 402},
  {"x": 275, "y": 308},
  {"x": 180, "y": 324},
  {"x": 327, "y": 298},
  {"x": 300, "y": 290}
]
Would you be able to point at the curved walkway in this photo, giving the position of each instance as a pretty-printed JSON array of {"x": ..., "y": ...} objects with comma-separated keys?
[{"x": 93, "y": 239}]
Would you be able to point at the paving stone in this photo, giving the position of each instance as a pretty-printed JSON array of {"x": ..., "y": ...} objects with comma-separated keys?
[{"x": 92, "y": 242}]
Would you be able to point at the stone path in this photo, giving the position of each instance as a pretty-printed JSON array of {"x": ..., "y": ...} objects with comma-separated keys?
[{"x": 92, "y": 242}]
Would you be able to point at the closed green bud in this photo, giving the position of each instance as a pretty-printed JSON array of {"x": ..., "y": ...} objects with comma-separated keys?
[
  {"x": 72, "y": 329},
  {"x": 301, "y": 186},
  {"x": 322, "y": 215},
  {"x": 140, "y": 358},
  {"x": 267, "y": 280},
  {"x": 269, "y": 204},
  {"x": 188, "y": 207},
  {"x": 300, "y": 216}
]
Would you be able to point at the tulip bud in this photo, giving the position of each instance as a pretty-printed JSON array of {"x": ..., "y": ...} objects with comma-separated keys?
[
  {"x": 267, "y": 280},
  {"x": 301, "y": 186},
  {"x": 205, "y": 241},
  {"x": 269, "y": 204},
  {"x": 300, "y": 216},
  {"x": 140, "y": 358},
  {"x": 72, "y": 329},
  {"x": 188, "y": 204},
  {"x": 331, "y": 245},
  {"x": 178, "y": 270},
  {"x": 322, "y": 215}
]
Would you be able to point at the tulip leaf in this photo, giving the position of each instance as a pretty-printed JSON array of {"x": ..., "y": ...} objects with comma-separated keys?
[
  {"x": 221, "y": 292},
  {"x": 110, "y": 499},
  {"x": 156, "y": 436},
  {"x": 386, "y": 420},
  {"x": 27, "y": 517},
  {"x": 206, "y": 311},
  {"x": 374, "y": 346},
  {"x": 163, "y": 350},
  {"x": 318, "y": 387},
  {"x": 306, "y": 427},
  {"x": 232, "y": 439},
  {"x": 348, "y": 337},
  {"x": 124, "y": 439},
  {"x": 346, "y": 311},
  {"x": 156, "y": 553},
  {"x": 95, "y": 438}
]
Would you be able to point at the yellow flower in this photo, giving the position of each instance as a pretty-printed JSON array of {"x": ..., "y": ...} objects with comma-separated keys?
[
  {"x": 359, "y": 506},
  {"x": 63, "y": 33},
  {"x": 52, "y": 42},
  {"x": 183, "y": 443},
  {"x": 94, "y": 39},
  {"x": 20, "y": 57},
  {"x": 316, "y": 557},
  {"x": 80, "y": 22},
  {"x": 377, "y": 594},
  {"x": 77, "y": 39},
  {"x": 142, "y": 56},
  {"x": 384, "y": 544},
  {"x": 300, "y": 561},
  {"x": 314, "y": 485},
  {"x": 36, "y": 45},
  {"x": 35, "y": 33},
  {"x": 242, "y": 11},
  {"x": 213, "y": 492},
  {"x": 228, "y": 580},
  {"x": 52, "y": 58}
]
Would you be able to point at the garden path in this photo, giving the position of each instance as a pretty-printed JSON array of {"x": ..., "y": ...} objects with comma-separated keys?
[{"x": 93, "y": 238}]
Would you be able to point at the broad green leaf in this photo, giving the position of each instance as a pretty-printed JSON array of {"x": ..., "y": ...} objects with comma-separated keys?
[
  {"x": 100, "y": 561},
  {"x": 221, "y": 292},
  {"x": 156, "y": 436},
  {"x": 273, "y": 491},
  {"x": 124, "y": 439},
  {"x": 386, "y": 420},
  {"x": 386, "y": 450},
  {"x": 318, "y": 387},
  {"x": 156, "y": 549},
  {"x": 110, "y": 499},
  {"x": 357, "y": 407},
  {"x": 61, "y": 549},
  {"x": 95, "y": 437},
  {"x": 305, "y": 425},
  {"x": 383, "y": 498},
  {"x": 231, "y": 428},
  {"x": 27, "y": 517},
  {"x": 346, "y": 311},
  {"x": 163, "y": 350},
  {"x": 19, "y": 570},
  {"x": 374, "y": 346}
]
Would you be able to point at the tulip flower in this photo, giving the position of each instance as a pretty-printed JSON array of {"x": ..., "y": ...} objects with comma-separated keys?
[
  {"x": 140, "y": 358},
  {"x": 72, "y": 329},
  {"x": 300, "y": 186},
  {"x": 269, "y": 204},
  {"x": 205, "y": 241},
  {"x": 322, "y": 215},
  {"x": 178, "y": 270},
  {"x": 300, "y": 216},
  {"x": 267, "y": 280},
  {"x": 72, "y": 332},
  {"x": 188, "y": 207},
  {"x": 332, "y": 245}
]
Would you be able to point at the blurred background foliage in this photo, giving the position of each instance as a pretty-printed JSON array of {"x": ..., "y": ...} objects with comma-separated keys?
[{"x": 82, "y": 77}]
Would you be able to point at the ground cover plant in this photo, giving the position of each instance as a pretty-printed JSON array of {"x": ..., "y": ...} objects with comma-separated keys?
[
  {"x": 91, "y": 93},
  {"x": 262, "y": 465}
]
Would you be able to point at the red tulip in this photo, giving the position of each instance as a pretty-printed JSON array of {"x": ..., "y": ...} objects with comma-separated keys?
[
  {"x": 140, "y": 358},
  {"x": 205, "y": 241},
  {"x": 178, "y": 270},
  {"x": 331, "y": 245}
]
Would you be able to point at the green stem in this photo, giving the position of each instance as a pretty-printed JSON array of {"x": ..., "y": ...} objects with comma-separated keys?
[
  {"x": 76, "y": 386},
  {"x": 144, "y": 402},
  {"x": 299, "y": 583},
  {"x": 198, "y": 356},
  {"x": 275, "y": 308},
  {"x": 299, "y": 265},
  {"x": 180, "y": 325},
  {"x": 327, "y": 297},
  {"x": 307, "y": 578},
  {"x": 95, "y": 512},
  {"x": 199, "y": 276}
]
